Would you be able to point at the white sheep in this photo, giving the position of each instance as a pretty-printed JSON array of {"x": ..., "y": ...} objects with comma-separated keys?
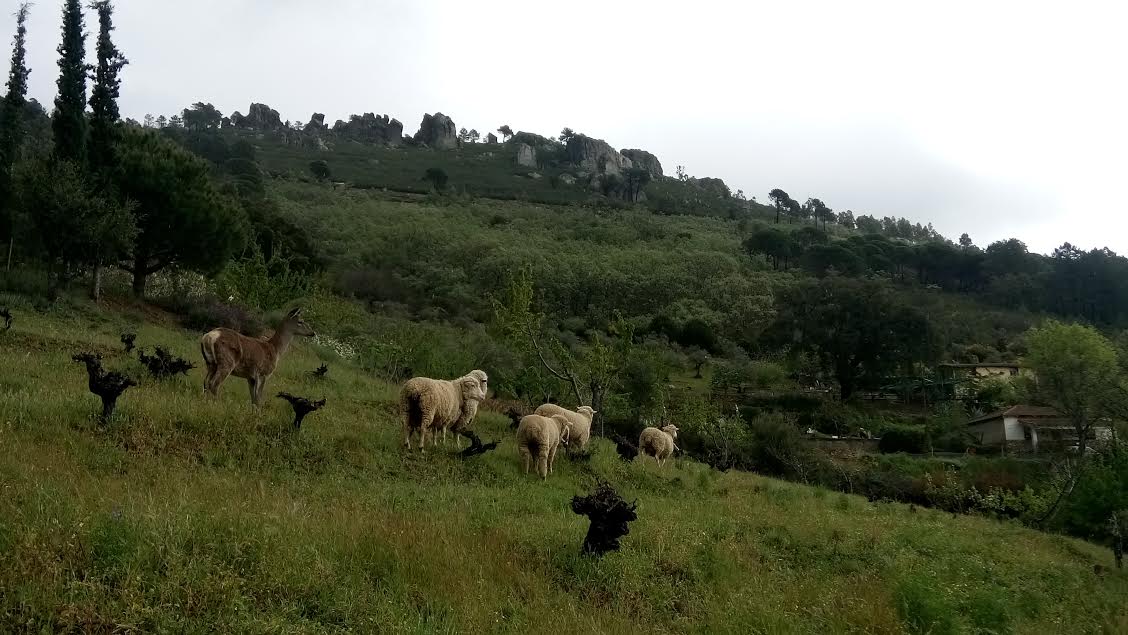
[
  {"x": 658, "y": 443},
  {"x": 581, "y": 421},
  {"x": 541, "y": 437},
  {"x": 430, "y": 404}
]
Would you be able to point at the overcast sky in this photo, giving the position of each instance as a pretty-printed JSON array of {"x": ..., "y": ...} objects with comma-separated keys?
[{"x": 996, "y": 118}]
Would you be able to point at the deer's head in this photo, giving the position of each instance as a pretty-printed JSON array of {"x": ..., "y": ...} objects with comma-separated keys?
[{"x": 296, "y": 325}]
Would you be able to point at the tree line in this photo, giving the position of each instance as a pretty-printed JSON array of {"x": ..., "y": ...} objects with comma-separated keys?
[
  {"x": 1089, "y": 285},
  {"x": 104, "y": 192}
]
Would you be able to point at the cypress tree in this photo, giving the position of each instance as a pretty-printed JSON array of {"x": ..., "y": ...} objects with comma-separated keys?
[
  {"x": 69, "y": 121},
  {"x": 11, "y": 125},
  {"x": 105, "y": 115}
]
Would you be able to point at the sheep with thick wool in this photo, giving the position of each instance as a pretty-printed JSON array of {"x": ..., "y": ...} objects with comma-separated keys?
[
  {"x": 658, "y": 443},
  {"x": 581, "y": 421},
  {"x": 430, "y": 405},
  {"x": 538, "y": 438}
]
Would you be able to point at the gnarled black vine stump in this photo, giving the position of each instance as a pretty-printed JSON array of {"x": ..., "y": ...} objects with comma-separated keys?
[
  {"x": 627, "y": 450},
  {"x": 127, "y": 340},
  {"x": 320, "y": 372},
  {"x": 163, "y": 364},
  {"x": 107, "y": 385},
  {"x": 301, "y": 406},
  {"x": 476, "y": 445},
  {"x": 609, "y": 515},
  {"x": 7, "y": 315}
]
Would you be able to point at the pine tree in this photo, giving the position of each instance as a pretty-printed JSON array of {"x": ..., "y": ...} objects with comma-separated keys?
[
  {"x": 69, "y": 121},
  {"x": 105, "y": 116},
  {"x": 11, "y": 125}
]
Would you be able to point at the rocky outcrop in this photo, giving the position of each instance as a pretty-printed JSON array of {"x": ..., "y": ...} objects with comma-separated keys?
[
  {"x": 526, "y": 156},
  {"x": 714, "y": 186},
  {"x": 259, "y": 117},
  {"x": 530, "y": 138},
  {"x": 594, "y": 155},
  {"x": 644, "y": 160},
  {"x": 437, "y": 131},
  {"x": 316, "y": 123},
  {"x": 371, "y": 129}
]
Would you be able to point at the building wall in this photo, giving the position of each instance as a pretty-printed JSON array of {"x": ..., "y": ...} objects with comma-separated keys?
[
  {"x": 996, "y": 431},
  {"x": 989, "y": 432},
  {"x": 1014, "y": 429}
]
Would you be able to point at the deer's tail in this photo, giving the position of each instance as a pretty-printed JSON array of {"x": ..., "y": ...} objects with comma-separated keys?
[{"x": 207, "y": 346}]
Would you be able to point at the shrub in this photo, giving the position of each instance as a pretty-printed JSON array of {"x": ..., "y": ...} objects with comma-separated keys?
[
  {"x": 266, "y": 285},
  {"x": 912, "y": 440},
  {"x": 1102, "y": 490},
  {"x": 202, "y": 314}
]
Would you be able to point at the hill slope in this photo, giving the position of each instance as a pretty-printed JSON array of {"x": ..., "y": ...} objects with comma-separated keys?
[{"x": 190, "y": 514}]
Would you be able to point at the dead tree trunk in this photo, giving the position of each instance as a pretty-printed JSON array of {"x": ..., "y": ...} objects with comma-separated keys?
[
  {"x": 106, "y": 385},
  {"x": 609, "y": 515},
  {"x": 476, "y": 445},
  {"x": 301, "y": 406}
]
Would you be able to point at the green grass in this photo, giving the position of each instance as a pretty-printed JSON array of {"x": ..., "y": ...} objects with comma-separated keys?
[{"x": 191, "y": 515}]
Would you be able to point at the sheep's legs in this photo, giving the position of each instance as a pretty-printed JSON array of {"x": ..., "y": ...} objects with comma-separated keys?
[
  {"x": 424, "y": 426},
  {"x": 552, "y": 458},
  {"x": 526, "y": 458},
  {"x": 542, "y": 464}
]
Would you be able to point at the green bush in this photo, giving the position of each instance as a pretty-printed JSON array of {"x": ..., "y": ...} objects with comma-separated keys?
[{"x": 912, "y": 440}]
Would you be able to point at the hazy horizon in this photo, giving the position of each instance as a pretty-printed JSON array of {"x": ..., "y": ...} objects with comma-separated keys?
[{"x": 1000, "y": 121}]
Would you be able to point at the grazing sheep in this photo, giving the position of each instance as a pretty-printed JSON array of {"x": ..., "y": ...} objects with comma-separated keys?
[
  {"x": 658, "y": 443},
  {"x": 581, "y": 421},
  {"x": 541, "y": 437},
  {"x": 430, "y": 404}
]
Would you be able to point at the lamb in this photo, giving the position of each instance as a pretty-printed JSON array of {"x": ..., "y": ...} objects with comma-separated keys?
[
  {"x": 658, "y": 443},
  {"x": 581, "y": 421},
  {"x": 430, "y": 404},
  {"x": 541, "y": 437}
]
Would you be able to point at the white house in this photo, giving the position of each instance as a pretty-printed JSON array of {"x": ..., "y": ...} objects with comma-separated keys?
[{"x": 1024, "y": 428}]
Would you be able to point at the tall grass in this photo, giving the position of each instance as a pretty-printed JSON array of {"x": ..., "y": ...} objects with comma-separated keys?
[{"x": 185, "y": 514}]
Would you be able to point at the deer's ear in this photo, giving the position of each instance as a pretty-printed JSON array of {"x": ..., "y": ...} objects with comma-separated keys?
[{"x": 295, "y": 312}]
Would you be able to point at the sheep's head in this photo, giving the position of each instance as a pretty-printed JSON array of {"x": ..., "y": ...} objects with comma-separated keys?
[
  {"x": 671, "y": 430},
  {"x": 586, "y": 411},
  {"x": 473, "y": 390},
  {"x": 482, "y": 378}
]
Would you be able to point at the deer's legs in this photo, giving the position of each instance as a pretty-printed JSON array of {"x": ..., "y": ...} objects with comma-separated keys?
[
  {"x": 216, "y": 379},
  {"x": 252, "y": 384}
]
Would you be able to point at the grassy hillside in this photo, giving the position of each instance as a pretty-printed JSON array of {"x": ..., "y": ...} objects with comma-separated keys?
[{"x": 190, "y": 515}]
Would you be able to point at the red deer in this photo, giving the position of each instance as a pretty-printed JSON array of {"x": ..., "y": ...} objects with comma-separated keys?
[{"x": 227, "y": 352}]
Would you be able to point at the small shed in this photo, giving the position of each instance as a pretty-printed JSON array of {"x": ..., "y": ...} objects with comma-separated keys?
[{"x": 1024, "y": 429}]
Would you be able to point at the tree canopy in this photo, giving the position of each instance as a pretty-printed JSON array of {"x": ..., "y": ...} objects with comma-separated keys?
[
  {"x": 857, "y": 329},
  {"x": 182, "y": 219}
]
